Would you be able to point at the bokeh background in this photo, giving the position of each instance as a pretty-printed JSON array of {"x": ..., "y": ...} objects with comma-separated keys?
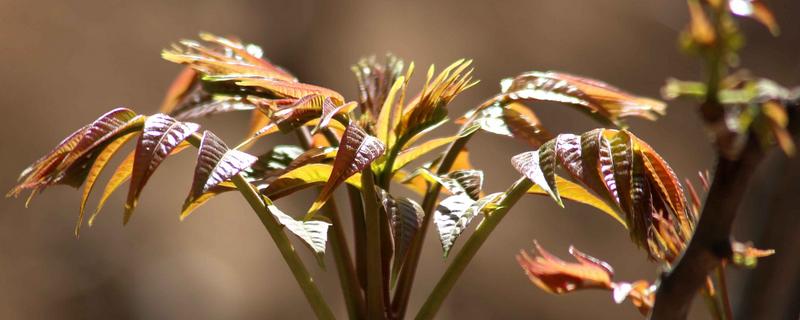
[{"x": 66, "y": 62}]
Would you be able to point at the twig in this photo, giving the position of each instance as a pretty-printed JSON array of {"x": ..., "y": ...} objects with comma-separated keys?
[{"x": 711, "y": 243}]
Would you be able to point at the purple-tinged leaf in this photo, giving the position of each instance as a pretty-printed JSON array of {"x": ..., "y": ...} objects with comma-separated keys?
[
  {"x": 216, "y": 163},
  {"x": 357, "y": 151},
  {"x": 161, "y": 135}
]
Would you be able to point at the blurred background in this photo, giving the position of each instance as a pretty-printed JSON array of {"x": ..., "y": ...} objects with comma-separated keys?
[{"x": 66, "y": 62}]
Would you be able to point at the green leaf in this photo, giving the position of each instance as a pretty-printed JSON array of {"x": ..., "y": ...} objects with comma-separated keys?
[
  {"x": 413, "y": 153},
  {"x": 390, "y": 114},
  {"x": 303, "y": 177},
  {"x": 216, "y": 163},
  {"x": 161, "y": 135},
  {"x": 357, "y": 151}
]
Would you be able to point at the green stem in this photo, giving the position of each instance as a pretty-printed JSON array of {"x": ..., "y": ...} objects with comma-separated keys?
[
  {"x": 406, "y": 280},
  {"x": 301, "y": 274},
  {"x": 470, "y": 248},
  {"x": 375, "y": 302},
  {"x": 353, "y": 297},
  {"x": 351, "y": 290},
  {"x": 360, "y": 230}
]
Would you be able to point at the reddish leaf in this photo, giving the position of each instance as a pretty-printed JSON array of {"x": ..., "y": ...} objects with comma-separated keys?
[
  {"x": 216, "y": 163},
  {"x": 102, "y": 159},
  {"x": 357, "y": 151},
  {"x": 556, "y": 276},
  {"x": 161, "y": 134},
  {"x": 599, "y": 99},
  {"x": 232, "y": 57}
]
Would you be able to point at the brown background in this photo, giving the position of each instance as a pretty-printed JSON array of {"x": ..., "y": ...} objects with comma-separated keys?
[{"x": 65, "y": 62}]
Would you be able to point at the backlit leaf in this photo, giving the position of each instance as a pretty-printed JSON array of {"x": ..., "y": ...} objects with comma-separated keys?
[
  {"x": 314, "y": 233},
  {"x": 375, "y": 80},
  {"x": 230, "y": 57},
  {"x": 120, "y": 175},
  {"x": 216, "y": 163},
  {"x": 573, "y": 191},
  {"x": 357, "y": 151},
  {"x": 98, "y": 166},
  {"x": 454, "y": 214},
  {"x": 161, "y": 134},
  {"x": 405, "y": 217},
  {"x": 277, "y": 88},
  {"x": 413, "y": 153},
  {"x": 528, "y": 165},
  {"x": 303, "y": 177},
  {"x": 191, "y": 206},
  {"x": 556, "y": 276},
  {"x": 598, "y": 99}
]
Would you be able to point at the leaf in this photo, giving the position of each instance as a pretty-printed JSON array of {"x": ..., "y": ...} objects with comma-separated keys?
[
  {"x": 700, "y": 28},
  {"x": 511, "y": 120},
  {"x": 98, "y": 166},
  {"x": 598, "y": 164},
  {"x": 120, "y": 175},
  {"x": 111, "y": 125},
  {"x": 232, "y": 57},
  {"x": 756, "y": 10},
  {"x": 303, "y": 177},
  {"x": 301, "y": 111},
  {"x": 405, "y": 219},
  {"x": 39, "y": 174},
  {"x": 413, "y": 153},
  {"x": 314, "y": 233},
  {"x": 216, "y": 163},
  {"x": 375, "y": 80},
  {"x": 429, "y": 109},
  {"x": 277, "y": 88},
  {"x": 191, "y": 206},
  {"x": 556, "y": 276},
  {"x": 454, "y": 214},
  {"x": 548, "y": 164},
  {"x": 573, "y": 191},
  {"x": 275, "y": 161},
  {"x": 70, "y": 161},
  {"x": 181, "y": 87},
  {"x": 330, "y": 110},
  {"x": 390, "y": 114},
  {"x": 622, "y": 159},
  {"x": 600, "y": 100},
  {"x": 160, "y": 135},
  {"x": 461, "y": 182},
  {"x": 524, "y": 125},
  {"x": 213, "y": 104},
  {"x": 527, "y": 164},
  {"x": 356, "y": 151},
  {"x": 667, "y": 181}
]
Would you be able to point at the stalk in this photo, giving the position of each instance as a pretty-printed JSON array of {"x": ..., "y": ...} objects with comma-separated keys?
[
  {"x": 353, "y": 297},
  {"x": 301, "y": 274},
  {"x": 375, "y": 302},
  {"x": 475, "y": 241},
  {"x": 406, "y": 279}
]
